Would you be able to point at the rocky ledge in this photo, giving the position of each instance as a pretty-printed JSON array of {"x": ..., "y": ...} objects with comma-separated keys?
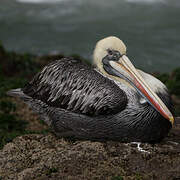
[{"x": 43, "y": 157}]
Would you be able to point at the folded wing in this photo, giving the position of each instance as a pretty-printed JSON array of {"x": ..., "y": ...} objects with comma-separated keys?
[{"x": 69, "y": 84}]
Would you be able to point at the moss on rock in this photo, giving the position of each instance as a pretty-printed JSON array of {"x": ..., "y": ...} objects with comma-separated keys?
[{"x": 47, "y": 157}]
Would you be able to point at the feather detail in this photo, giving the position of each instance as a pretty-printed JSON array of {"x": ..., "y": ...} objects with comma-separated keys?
[{"x": 70, "y": 84}]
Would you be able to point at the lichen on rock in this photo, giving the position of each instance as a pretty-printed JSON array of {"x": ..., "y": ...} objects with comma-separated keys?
[{"x": 36, "y": 156}]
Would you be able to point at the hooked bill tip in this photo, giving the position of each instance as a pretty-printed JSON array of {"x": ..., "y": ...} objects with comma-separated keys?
[{"x": 171, "y": 118}]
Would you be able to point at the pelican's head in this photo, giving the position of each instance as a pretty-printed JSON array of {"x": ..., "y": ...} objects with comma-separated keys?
[
  {"x": 107, "y": 47},
  {"x": 111, "y": 60}
]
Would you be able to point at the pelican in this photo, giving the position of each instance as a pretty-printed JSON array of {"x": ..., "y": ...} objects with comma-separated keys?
[{"x": 112, "y": 100}]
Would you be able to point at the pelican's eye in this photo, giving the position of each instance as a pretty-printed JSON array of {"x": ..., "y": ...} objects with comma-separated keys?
[
  {"x": 110, "y": 52},
  {"x": 113, "y": 55}
]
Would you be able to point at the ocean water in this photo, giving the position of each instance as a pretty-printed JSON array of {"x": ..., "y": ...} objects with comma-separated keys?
[{"x": 149, "y": 28}]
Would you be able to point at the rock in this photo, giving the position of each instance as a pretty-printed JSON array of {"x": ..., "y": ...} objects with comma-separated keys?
[{"x": 42, "y": 157}]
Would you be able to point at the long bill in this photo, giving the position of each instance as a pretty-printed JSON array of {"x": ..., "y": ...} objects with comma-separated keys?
[{"x": 132, "y": 75}]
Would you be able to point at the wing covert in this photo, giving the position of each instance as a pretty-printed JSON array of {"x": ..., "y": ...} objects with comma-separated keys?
[{"x": 72, "y": 85}]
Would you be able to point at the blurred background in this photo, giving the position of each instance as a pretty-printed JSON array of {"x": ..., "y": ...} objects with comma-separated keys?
[{"x": 149, "y": 28}]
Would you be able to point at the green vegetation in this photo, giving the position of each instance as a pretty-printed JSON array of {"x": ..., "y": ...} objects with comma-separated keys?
[
  {"x": 10, "y": 124},
  {"x": 138, "y": 177},
  {"x": 16, "y": 70},
  {"x": 117, "y": 178},
  {"x": 172, "y": 81},
  {"x": 50, "y": 171}
]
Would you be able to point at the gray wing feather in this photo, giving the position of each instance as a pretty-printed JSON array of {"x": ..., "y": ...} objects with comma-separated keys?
[{"x": 69, "y": 84}]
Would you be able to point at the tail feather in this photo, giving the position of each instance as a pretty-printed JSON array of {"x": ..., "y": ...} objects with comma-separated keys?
[
  {"x": 36, "y": 105},
  {"x": 17, "y": 93}
]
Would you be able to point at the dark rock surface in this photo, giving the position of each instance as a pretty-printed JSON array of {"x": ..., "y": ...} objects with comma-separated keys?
[{"x": 43, "y": 157}]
